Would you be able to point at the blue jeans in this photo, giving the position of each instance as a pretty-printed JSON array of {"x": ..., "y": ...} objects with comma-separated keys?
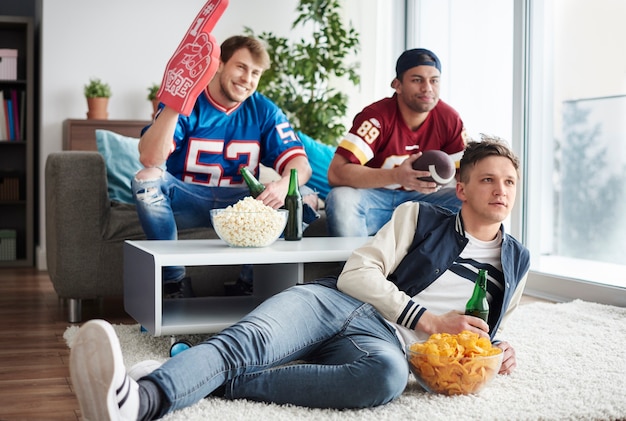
[
  {"x": 354, "y": 212},
  {"x": 167, "y": 204},
  {"x": 309, "y": 345}
]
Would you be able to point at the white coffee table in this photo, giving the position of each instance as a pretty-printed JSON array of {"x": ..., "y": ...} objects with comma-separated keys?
[{"x": 276, "y": 267}]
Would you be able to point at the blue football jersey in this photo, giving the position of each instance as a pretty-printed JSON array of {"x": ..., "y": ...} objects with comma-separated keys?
[{"x": 213, "y": 143}]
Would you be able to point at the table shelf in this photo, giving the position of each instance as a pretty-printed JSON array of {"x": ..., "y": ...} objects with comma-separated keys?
[{"x": 276, "y": 268}]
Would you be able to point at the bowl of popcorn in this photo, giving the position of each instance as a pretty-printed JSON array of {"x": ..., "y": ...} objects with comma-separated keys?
[
  {"x": 249, "y": 223},
  {"x": 459, "y": 364}
]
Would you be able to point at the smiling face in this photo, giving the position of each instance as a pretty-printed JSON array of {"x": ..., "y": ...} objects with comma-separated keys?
[
  {"x": 488, "y": 192},
  {"x": 418, "y": 88},
  {"x": 236, "y": 79}
]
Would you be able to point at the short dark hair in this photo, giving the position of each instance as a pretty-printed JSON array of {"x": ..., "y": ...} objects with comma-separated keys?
[
  {"x": 476, "y": 151},
  {"x": 254, "y": 45}
]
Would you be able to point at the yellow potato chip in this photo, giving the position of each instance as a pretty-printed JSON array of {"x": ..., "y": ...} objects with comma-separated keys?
[{"x": 449, "y": 363}]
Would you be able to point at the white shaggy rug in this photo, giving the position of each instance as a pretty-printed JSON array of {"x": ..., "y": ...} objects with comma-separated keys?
[{"x": 571, "y": 366}]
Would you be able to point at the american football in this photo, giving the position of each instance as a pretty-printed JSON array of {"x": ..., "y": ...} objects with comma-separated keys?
[{"x": 439, "y": 164}]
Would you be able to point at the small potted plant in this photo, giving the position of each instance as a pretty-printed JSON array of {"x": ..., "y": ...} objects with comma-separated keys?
[
  {"x": 97, "y": 94},
  {"x": 152, "y": 96}
]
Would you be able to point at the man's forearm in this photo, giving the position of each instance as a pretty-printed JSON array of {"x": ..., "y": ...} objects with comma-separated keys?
[
  {"x": 301, "y": 164},
  {"x": 361, "y": 177},
  {"x": 156, "y": 143}
]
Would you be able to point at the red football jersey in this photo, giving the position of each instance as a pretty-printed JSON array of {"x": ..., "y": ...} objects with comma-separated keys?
[{"x": 379, "y": 137}]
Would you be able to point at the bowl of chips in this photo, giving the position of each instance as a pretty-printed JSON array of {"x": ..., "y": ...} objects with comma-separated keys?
[
  {"x": 460, "y": 364},
  {"x": 249, "y": 223}
]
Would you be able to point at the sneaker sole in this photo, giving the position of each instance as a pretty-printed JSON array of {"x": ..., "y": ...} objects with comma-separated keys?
[{"x": 92, "y": 368}]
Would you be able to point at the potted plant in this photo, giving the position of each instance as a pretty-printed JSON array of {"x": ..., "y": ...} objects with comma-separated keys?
[
  {"x": 152, "y": 96},
  {"x": 97, "y": 94},
  {"x": 303, "y": 74}
]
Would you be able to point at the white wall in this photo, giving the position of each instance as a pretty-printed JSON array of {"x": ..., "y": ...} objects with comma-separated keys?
[
  {"x": 473, "y": 40},
  {"x": 128, "y": 43}
]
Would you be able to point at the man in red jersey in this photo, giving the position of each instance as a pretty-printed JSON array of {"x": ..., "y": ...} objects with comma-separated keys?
[{"x": 371, "y": 171}]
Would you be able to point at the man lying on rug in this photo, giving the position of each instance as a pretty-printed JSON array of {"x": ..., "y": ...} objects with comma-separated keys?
[{"x": 339, "y": 343}]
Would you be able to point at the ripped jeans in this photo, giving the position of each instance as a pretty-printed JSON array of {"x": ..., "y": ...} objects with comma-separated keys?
[{"x": 166, "y": 204}]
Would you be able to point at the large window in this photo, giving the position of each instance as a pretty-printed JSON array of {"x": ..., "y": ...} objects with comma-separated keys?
[
  {"x": 550, "y": 75},
  {"x": 577, "y": 147}
]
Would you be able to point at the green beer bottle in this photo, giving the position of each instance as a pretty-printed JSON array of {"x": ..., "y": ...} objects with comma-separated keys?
[
  {"x": 477, "y": 305},
  {"x": 293, "y": 203},
  {"x": 256, "y": 188}
]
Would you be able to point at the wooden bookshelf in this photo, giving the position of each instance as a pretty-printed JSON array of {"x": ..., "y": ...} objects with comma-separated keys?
[{"x": 17, "y": 171}]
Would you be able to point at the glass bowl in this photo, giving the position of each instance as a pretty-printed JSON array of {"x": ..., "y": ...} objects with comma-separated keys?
[
  {"x": 451, "y": 375},
  {"x": 249, "y": 229}
]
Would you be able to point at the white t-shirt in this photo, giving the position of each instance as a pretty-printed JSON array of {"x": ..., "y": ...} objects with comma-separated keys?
[{"x": 455, "y": 286}]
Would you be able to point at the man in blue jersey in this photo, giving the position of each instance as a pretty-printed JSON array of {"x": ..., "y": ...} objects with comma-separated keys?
[{"x": 231, "y": 126}]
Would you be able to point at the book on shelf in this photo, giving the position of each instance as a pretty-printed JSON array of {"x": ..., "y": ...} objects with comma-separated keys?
[
  {"x": 4, "y": 135},
  {"x": 12, "y": 106},
  {"x": 17, "y": 135},
  {"x": 8, "y": 105},
  {"x": 23, "y": 114}
]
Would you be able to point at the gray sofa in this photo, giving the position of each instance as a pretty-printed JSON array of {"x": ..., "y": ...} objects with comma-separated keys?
[{"x": 85, "y": 233}]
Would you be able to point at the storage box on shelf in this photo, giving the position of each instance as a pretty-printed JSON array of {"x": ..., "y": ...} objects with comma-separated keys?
[
  {"x": 8, "y": 64},
  {"x": 8, "y": 245},
  {"x": 9, "y": 187}
]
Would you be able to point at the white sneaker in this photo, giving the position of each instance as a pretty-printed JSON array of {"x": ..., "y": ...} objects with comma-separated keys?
[
  {"x": 143, "y": 368},
  {"x": 103, "y": 389}
]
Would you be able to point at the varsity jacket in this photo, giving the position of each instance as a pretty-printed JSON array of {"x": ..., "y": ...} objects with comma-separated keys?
[{"x": 420, "y": 242}]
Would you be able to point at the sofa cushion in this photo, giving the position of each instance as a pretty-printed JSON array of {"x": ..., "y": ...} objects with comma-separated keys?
[
  {"x": 320, "y": 156},
  {"x": 121, "y": 158}
]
